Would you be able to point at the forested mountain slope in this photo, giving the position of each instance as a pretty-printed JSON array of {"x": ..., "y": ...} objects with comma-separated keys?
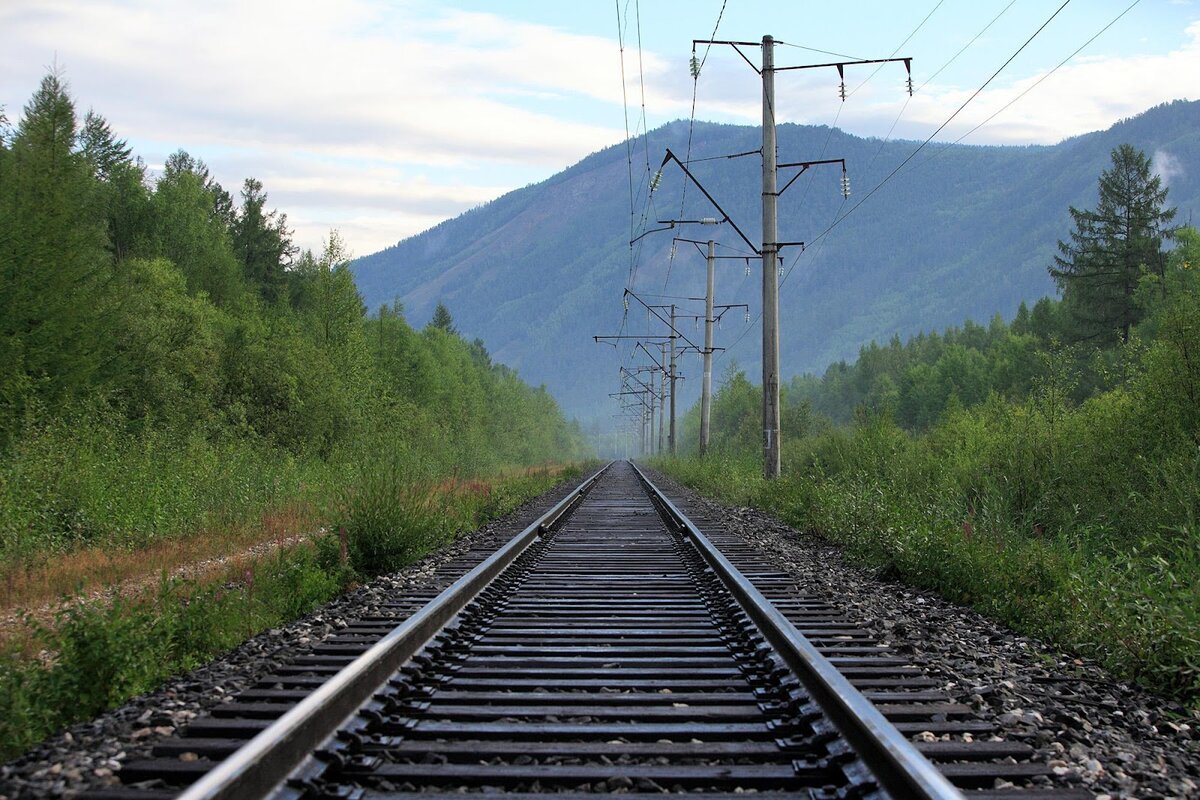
[{"x": 961, "y": 232}]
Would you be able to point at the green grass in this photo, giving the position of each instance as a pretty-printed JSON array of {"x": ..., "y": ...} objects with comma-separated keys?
[
  {"x": 1079, "y": 529},
  {"x": 98, "y": 654}
]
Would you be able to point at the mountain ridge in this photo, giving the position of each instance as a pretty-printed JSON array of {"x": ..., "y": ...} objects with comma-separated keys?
[{"x": 964, "y": 231}]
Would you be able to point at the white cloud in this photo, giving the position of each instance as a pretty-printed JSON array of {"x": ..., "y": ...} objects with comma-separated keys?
[
  {"x": 1087, "y": 94},
  {"x": 352, "y": 89},
  {"x": 1166, "y": 166}
]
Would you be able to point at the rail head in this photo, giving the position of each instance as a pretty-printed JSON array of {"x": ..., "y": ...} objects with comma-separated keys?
[
  {"x": 266, "y": 760},
  {"x": 899, "y": 767}
]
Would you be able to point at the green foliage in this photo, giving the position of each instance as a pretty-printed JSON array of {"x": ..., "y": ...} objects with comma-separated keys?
[
  {"x": 99, "y": 653},
  {"x": 53, "y": 261},
  {"x": 262, "y": 242},
  {"x": 442, "y": 320},
  {"x": 1112, "y": 247},
  {"x": 1057, "y": 488},
  {"x": 166, "y": 368},
  {"x": 390, "y": 520},
  {"x": 161, "y": 366}
]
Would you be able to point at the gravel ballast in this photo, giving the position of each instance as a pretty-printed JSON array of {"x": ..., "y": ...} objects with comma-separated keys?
[
  {"x": 1097, "y": 732},
  {"x": 88, "y": 755}
]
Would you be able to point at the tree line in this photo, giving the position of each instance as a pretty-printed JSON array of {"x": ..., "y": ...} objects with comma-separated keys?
[
  {"x": 1124, "y": 302},
  {"x": 1045, "y": 470},
  {"x": 164, "y": 305}
]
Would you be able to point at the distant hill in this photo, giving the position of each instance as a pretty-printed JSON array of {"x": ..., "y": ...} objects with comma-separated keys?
[{"x": 961, "y": 232}]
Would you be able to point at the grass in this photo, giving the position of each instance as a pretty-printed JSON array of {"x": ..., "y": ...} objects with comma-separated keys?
[
  {"x": 1079, "y": 530},
  {"x": 39, "y": 582},
  {"x": 96, "y": 653}
]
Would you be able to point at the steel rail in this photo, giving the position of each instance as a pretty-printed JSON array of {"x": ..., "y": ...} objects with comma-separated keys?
[
  {"x": 265, "y": 761},
  {"x": 901, "y": 770}
]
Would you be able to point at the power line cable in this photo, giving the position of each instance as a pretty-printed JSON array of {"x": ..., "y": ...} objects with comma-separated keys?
[
  {"x": 947, "y": 121},
  {"x": 839, "y": 219},
  {"x": 1038, "y": 82}
]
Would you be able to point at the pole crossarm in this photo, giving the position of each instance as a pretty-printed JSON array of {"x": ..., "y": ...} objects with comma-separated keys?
[
  {"x": 724, "y": 215},
  {"x": 699, "y": 242},
  {"x": 652, "y": 309},
  {"x": 841, "y": 65},
  {"x": 804, "y": 167}
]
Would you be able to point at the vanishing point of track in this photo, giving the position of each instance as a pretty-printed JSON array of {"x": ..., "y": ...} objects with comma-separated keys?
[{"x": 610, "y": 646}]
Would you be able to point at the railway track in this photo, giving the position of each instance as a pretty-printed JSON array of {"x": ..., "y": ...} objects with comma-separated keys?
[{"x": 610, "y": 646}]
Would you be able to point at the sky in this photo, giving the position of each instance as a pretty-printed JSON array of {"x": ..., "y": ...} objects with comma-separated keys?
[{"x": 381, "y": 118}]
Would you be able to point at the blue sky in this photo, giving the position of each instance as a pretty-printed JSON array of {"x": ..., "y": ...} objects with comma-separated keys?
[{"x": 383, "y": 118}]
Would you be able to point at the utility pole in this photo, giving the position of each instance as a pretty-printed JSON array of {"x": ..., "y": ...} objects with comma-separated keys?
[
  {"x": 662, "y": 403},
  {"x": 770, "y": 254},
  {"x": 647, "y": 420},
  {"x": 770, "y": 222},
  {"x": 706, "y": 384},
  {"x": 674, "y": 450}
]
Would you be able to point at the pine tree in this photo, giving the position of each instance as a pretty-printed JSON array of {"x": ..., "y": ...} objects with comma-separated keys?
[
  {"x": 53, "y": 260},
  {"x": 1112, "y": 247},
  {"x": 442, "y": 319},
  {"x": 262, "y": 241}
]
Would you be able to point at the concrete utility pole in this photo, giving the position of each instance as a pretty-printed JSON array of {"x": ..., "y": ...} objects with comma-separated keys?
[
  {"x": 770, "y": 223},
  {"x": 706, "y": 384},
  {"x": 770, "y": 292},
  {"x": 662, "y": 403},
  {"x": 674, "y": 450}
]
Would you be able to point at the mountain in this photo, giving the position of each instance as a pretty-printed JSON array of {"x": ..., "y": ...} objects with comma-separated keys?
[{"x": 961, "y": 231}]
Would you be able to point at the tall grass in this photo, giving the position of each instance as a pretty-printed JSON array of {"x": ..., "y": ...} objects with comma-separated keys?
[
  {"x": 85, "y": 481},
  {"x": 1075, "y": 525},
  {"x": 72, "y": 491}
]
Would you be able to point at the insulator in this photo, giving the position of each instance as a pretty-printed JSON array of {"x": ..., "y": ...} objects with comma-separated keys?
[
  {"x": 781, "y": 270},
  {"x": 747, "y": 315},
  {"x": 656, "y": 180},
  {"x": 674, "y": 247},
  {"x": 695, "y": 67},
  {"x": 842, "y": 90},
  {"x": 910, "y": 86},
  {"x": 747, "y": 267},
  {"x": 626, "y": 303},
  {"x": 845, "y": 185}
]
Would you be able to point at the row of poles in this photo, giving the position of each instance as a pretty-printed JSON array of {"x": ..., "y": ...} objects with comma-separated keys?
[{"x": 638, "y": 397}]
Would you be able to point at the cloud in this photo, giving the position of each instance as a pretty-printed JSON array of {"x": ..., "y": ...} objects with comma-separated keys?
[
  {"x": 1166, "y": 166},
  {"x": 352, "y": 90},
  {"x": 1087, "y": 94}
]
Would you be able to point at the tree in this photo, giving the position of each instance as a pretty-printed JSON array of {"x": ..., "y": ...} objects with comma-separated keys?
[
  {"x": 192, "y": 230},
  {"x": 53, "y": 262},
  {"x": 442, "y": 320},
  {"x": 324, "y": 289},
  {"x": 121, "y": 185},
  {"x": 262, "y": 241},
  {"x": 1112, "y": 247}
]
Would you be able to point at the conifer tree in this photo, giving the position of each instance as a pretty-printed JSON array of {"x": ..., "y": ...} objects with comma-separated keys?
[
  {"x": 1110, "y": 249},
  {"x": 52, "y": 255},
  {"x": 262, "y": 241},
  {"x": 442, "y": 319}
]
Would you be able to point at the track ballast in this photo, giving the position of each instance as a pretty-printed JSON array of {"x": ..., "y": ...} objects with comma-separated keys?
[{"x": 611, "y": 655}]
